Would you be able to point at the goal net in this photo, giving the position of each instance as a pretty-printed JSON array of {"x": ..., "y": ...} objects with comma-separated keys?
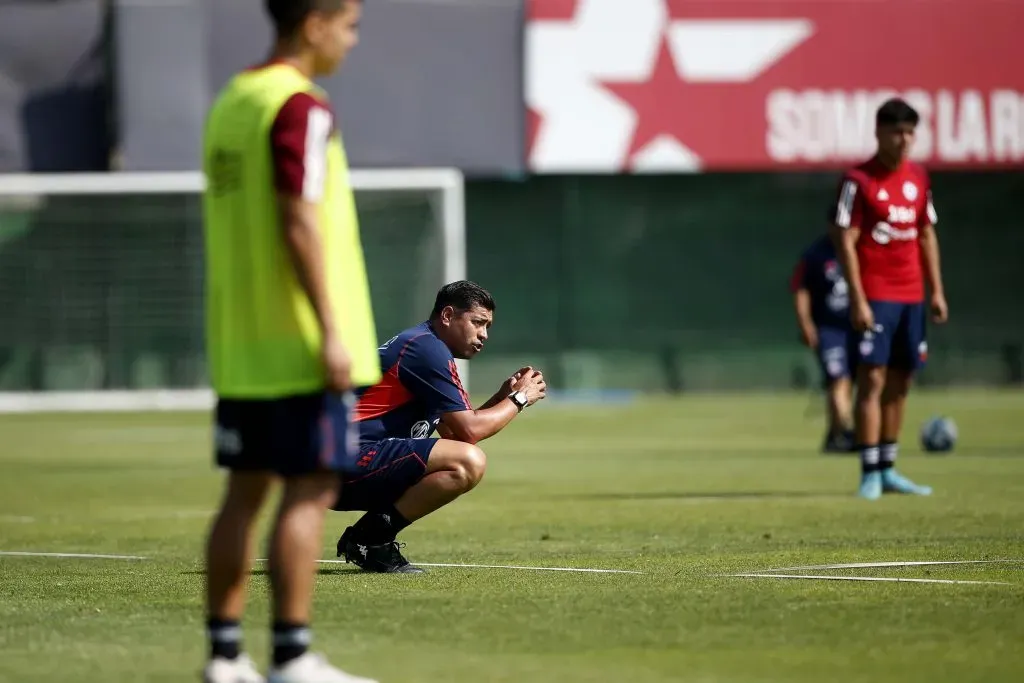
[{"x": 101, "y": 280}]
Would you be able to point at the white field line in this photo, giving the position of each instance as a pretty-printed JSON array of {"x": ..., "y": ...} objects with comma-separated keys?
[
  {"x": 428, "y": 564},
  {"x": 538, "y": 569},
  {"x": 869, "y": 565},
  {"x": 512, "y": 566},
  {"x": 828, "y": 577},
  {"x": 82, "y": 556},
  {"x": 91, "y": 556}
]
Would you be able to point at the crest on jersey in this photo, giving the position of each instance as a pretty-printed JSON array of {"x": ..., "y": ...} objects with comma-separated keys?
[
  {"x": 421, "y": 430},
  {"x": 882, "y": 195},
  {"x": 882, "y": 233},
  {"x": 910, "y": 191}
]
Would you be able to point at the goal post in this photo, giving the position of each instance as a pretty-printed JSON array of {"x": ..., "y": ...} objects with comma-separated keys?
[{"x": 101, "y": 278}]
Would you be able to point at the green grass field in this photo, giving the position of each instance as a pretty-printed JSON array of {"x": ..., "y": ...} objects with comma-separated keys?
[{"x": 684, "y": 491}]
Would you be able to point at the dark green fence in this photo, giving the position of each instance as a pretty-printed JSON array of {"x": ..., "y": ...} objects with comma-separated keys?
[
  {"x": 644, "y": 282},
  {"x": 681, "y": 281}
]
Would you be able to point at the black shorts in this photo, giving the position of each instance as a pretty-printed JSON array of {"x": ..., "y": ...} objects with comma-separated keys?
[
  {"x": 382, "y": 472},
  {"x": 289, "y": 436}
]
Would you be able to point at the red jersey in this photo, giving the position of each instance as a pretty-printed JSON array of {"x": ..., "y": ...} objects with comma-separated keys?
[{"x": 890, "y": 207}]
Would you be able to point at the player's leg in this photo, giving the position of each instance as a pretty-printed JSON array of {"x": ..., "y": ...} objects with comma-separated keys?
[
  {"x": 873, "y": 351},
  {"x": 229, "y": 547},
  {"x": 408, "y": 479},
  {"x": 908, "y": 356},
  {"x": 840, "y": 409},
  {"x": 833, "y": 358},
  {"x": 311, "y": 443},
  {"x": 868, "y": 420},
  {"x": 453, "y": 469},
  {"x": 294, "y": 548}
]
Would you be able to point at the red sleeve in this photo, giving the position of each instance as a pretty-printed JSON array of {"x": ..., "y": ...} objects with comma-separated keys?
[
  {"x": 929, "y": 215},
  {"x": 846, "y": 213},
  {"x": 796, "y": 282},
  {"x": 298, "y": 141}
]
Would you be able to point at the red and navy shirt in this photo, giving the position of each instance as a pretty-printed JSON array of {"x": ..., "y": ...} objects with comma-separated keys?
[
  {"x": 420, "y": 384},
  {"x": 890, "y": 207},
  {"x": 819, "y": 272}
]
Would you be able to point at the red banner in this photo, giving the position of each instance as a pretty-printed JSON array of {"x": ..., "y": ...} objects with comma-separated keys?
[{"x": 688, "y": 85}]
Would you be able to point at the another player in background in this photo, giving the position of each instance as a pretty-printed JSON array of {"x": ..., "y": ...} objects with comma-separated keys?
[
  {"x": 401, "y": 474},
  {"x": 290, "y": 329},
  {"x": 884, "y": 231},
  {"x": 822, "y": 303}
]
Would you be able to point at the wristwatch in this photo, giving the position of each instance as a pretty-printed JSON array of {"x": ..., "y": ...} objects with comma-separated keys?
[{"x": 519, "y": 398}]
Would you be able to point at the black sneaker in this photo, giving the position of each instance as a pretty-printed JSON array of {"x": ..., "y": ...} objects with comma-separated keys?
[
  {"x": 843, "y": 442},
  {"x": 382, "y": 559}
]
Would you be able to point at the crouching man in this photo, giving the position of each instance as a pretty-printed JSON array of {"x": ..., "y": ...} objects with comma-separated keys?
[{"x": 401, "y": 473}]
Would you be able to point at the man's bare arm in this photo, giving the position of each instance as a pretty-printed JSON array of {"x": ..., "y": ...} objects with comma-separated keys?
[
  {"x": 472, "y": 426},
  {"x": 845, "y": 241},
  {"x": 802, "y": 306},
  {"x": 930, "y": 254},
  {"x": 300, "y": 222}
]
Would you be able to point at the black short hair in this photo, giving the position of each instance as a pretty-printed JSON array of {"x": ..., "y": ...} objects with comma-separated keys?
[
  {"x": 896, "y": 111},
  {"x": 462, "y": 296},
  {"x": 288, "y": 15}
]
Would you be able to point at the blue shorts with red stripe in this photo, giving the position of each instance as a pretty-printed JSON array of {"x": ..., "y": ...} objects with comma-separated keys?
[
  {"x": 382, "y": 472},
  {"x": 900, "y": 337},
  {"x": 290, "y": 436}
]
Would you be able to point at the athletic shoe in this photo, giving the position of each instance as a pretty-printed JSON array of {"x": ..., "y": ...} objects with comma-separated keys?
[
  {"x": 312, "y": 668},
  {"x": 843, "y": 442},
  {"x": 894, "y": 482},
  {"x": 223, "y": 670},
  {"x": 870, "y": 486},
  {"x": 385, "y": 558}
]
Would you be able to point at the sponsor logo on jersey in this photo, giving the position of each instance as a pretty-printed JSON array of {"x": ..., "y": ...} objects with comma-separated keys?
[
  {"x": 883, "y": 233},
  {"x": 902, "y": 214}
]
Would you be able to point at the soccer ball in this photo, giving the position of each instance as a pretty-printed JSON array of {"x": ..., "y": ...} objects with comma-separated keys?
[{"x": 938, "y": 435}]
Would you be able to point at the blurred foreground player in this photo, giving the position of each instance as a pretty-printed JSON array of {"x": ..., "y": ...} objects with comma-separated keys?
[
  {"x": 401, "y": 474},
  {"x": 884, "y": 230},
  {"x": 289, "y": 325},
  {"x": 822, "y": 303}
]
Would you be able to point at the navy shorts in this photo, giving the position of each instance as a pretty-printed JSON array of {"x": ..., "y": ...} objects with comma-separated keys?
[
  {"x": 836, "y": 353},
  {"x": 289, "y": 436},
  {"x": 382, "y": 472},
  {"x": 899, "y": 339}
]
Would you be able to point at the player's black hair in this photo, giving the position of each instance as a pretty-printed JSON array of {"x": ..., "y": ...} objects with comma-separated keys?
[
  {"x": 896, "y": 111},
  {"x": 288, "y": 15},
  {"x": 462, "y": 296}
]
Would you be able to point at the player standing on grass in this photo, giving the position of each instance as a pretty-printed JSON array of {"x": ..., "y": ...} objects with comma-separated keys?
[
  {"x": 401, "y": 473},
  {"x": 289, "y": 329},
  {"x": 821, "y": 299},
  {"x": 884, "y": 231}
]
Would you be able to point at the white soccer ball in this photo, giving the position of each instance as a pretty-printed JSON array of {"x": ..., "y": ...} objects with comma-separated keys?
[{"x": 938, "y": 435}]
